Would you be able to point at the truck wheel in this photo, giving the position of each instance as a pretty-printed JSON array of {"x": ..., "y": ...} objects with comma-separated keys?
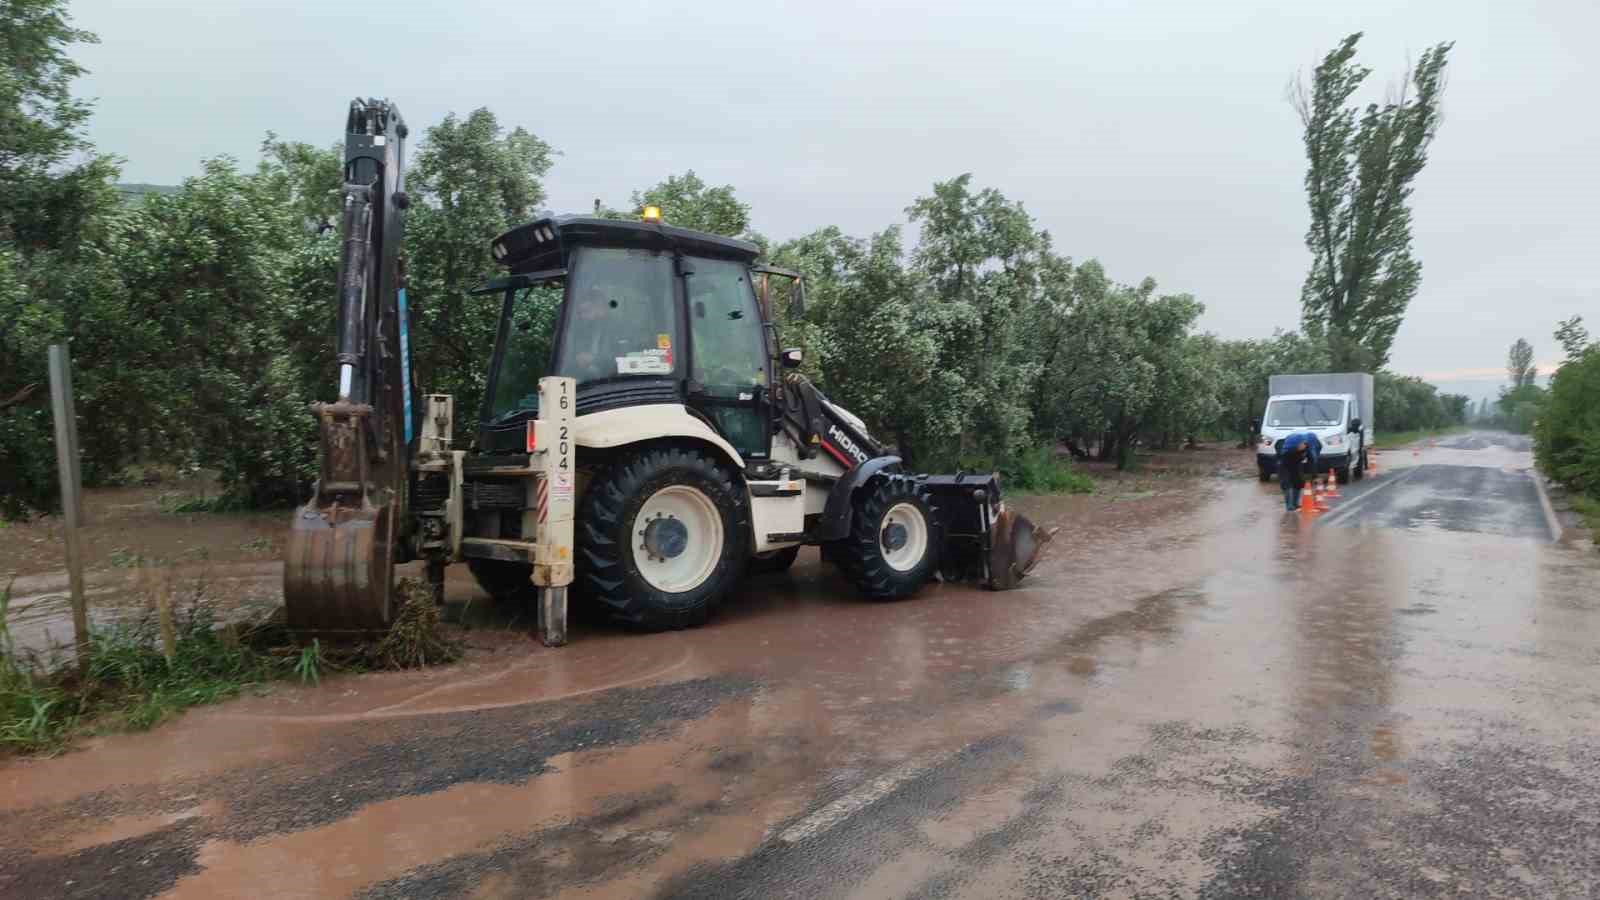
[
  {"x": 661, "y": 536},
  {"x": 1264, "y": 472},
  {"x": 894, "y": 540},
  {"x": 772, "y": 562},
  {"x": 1342, "y": 474},
  {"x": 504, "y": 581}
]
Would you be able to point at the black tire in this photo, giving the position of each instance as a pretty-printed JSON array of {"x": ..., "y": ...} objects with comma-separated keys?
[
  {"x": 861, "y": 555},
  {"x": 1342, "y": 474},
  {"x": 772, "y": 562},
  {"x": 504, "y": 581},
  {"x": 607, "y": 571},
  {"x": 1264, "y": 472}
]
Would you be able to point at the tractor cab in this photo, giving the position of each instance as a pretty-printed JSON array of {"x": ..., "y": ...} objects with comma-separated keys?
[{"x": 636, "y": 313}]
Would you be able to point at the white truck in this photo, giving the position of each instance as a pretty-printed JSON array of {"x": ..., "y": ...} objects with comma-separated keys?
[{"x": 1335, "y": 406}]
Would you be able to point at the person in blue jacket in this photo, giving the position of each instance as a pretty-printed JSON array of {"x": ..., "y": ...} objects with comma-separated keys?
[{"x": 1297, "y": 463}]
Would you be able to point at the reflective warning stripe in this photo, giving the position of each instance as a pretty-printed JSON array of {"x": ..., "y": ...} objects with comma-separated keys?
[{"x": 544, "y": 499}]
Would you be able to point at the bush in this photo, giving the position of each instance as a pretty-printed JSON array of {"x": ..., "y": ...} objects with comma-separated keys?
[
  {"x": 1567, "y": 435},
  {"x": 1038, "y": 470}
]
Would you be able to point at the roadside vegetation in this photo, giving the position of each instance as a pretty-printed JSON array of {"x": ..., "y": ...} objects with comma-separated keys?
[
  {"x": 1566, "y": 427},
  {"x": 201, "y": 323},
  {"x": 131, "y": 683}
]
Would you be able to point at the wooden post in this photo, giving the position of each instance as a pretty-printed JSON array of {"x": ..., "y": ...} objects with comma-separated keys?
[{"x": 71, "y": 478}]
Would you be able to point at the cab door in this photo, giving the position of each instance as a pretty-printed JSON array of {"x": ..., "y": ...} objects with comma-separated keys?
[{"x": 730, "y": 367}]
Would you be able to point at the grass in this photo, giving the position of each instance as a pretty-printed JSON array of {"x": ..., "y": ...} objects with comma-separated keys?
[
  {"x": 130, "y": 684},
  {"x": 1589, "y": 509},
  {"x": 1394, "y": 440},
  {"x": 1038, "y": 470}
]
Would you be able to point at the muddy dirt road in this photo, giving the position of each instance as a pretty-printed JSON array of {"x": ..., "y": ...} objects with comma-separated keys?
[{"x": 1397, "y": 699}]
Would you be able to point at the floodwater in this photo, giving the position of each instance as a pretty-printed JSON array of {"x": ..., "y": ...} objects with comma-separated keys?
[{"x": 1397, "y": 698}]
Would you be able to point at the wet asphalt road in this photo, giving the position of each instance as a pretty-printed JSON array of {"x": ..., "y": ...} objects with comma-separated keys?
[{"x": 1398, "y": 699}]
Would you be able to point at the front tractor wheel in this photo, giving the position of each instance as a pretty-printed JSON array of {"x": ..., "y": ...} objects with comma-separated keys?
[
  {"x": 661, "y": 536},
  {"x": 894, "y": 541}
]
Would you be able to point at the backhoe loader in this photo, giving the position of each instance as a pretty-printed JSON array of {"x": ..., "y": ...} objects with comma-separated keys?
[{"x": 642, "y": 439}]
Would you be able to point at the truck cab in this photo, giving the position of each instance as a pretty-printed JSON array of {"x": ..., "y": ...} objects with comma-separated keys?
[{"x": 1336, "y": 420}]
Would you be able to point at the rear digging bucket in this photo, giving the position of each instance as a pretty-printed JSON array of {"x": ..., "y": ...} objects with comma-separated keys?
[{"x": 337, "y": 570}]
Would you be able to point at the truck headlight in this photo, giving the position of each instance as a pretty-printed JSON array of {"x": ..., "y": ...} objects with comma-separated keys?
[
  {"x": 1336, "y": 441},
  {"x": 1266, "y": 441}
]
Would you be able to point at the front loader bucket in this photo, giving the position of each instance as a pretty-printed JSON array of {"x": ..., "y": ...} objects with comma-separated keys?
[
  {"x": 337, "y": 569},
  {"x": 1014, "y": 548}
]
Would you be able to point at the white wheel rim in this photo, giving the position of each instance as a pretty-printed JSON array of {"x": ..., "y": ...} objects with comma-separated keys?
[
  {"x": 703, "y": 548},
  {"x": 914, "y": 546}
]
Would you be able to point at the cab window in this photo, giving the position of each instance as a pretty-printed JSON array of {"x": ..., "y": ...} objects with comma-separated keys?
[
  {"x": 730, "y": 358},
  {"x": 621, "y": 323}
]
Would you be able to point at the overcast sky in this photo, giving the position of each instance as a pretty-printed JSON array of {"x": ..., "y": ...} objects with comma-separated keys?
[{"x": 1152, "y": 135}]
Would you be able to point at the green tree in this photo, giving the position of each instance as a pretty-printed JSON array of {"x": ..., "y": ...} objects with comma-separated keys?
[
  {"x": 306, "y": 178},
  {"x": 1573, "y": 337},
  {"x": 1566, "y": 439},
  {"x": 470, "y": 181},
  {"x": 979, "y": 258},
  {"x": 56, "y": 197},
  {"x": 205, "y": 373},
  {"x": 1519, "y": 364},
  {"x": 688, "y": 202},
  {"x": 1360, "y": 168},
  {"x": 46, "y": 197}
]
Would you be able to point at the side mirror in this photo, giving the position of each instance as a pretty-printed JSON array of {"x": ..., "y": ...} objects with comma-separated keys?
[
  {"x": 792, "y": 358},
  {"x": 1355, "y": 425}
]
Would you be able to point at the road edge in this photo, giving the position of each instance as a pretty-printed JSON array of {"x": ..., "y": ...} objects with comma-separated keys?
[{"x": 1550, "y": 518}]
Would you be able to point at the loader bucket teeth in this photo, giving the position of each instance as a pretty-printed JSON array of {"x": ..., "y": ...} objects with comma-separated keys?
[
  {"x": 337, "y": 569},
  {"x": 1014, "y": 549}
]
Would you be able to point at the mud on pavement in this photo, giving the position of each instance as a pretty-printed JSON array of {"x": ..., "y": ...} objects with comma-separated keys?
[{"x": 1196, "y": 696}]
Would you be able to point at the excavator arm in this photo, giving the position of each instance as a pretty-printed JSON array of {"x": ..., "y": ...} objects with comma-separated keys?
[{"x": 344, "y": 542}]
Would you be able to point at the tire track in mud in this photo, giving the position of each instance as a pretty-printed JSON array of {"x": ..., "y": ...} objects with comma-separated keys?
[{"x": 371, "y": 765}]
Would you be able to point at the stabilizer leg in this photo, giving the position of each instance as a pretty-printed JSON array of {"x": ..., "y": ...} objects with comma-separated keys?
[{"x": 553, "y": 616}]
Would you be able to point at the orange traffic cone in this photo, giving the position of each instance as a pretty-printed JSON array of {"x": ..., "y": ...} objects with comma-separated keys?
[
  {"x": 1308, "y": 500},
  {"x": 1372, "y": 462},
  {"x": 1332, "y": 489}
]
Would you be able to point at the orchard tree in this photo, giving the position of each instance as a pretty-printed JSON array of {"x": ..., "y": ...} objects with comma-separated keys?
[
  {"x": 979, "y": 257},
  {"x": 688, "y": 202},
  {"x": 56, "y": 195},
  {"x": 1360, "y": 167},
  {"x": 52, "y": 183},
  {"x": 470, "y": 181}
]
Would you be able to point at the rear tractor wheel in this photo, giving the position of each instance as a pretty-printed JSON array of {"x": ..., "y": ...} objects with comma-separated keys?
[
  {"x": 662, "y": 535},
  {"x": 894, "y": 541}
]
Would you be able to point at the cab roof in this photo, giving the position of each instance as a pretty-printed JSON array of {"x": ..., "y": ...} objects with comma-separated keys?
[{"x": 545, "y": 244}]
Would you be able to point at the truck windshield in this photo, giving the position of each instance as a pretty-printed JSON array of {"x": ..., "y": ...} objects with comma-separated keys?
[
  {"x": 530, "y": 329},
  {"x": 1305, "y": 413}
]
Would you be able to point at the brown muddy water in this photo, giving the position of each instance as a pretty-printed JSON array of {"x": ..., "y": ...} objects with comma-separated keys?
[{"x": 1196, "y": 695}]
